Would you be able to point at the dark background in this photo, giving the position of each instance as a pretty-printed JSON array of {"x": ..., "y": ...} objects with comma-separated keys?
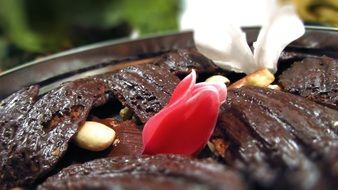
[
  {"x": 33, "y": 28},
  {"x": 36, "y": 28}
]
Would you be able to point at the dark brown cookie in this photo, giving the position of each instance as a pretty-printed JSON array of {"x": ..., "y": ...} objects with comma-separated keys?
[
  {"x": 42, "y": 138},
  {"x": 145, "y": 172},
  {"x": 12, "y": 111},
  {"x": 313, "y": 78},
  {"x": 145, "y": 89},
  {"x": 278, "y": 138},
  {"x": 181, "y": 61}
]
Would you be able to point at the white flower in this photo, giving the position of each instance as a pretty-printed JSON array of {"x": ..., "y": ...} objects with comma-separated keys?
[
  {"x": 284, "y": 26},
  {"x": 226, "y": 43}
]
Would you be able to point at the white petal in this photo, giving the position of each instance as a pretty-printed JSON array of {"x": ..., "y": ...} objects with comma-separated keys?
[
  {"x": 226, "y": 45},
  {"x": 284, "y": 26}
]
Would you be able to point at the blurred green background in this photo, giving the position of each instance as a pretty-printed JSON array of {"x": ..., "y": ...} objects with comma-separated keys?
[{"x": 33, "y": 28}]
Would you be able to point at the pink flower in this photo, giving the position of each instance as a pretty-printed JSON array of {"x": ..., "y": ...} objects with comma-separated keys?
[{"x": 186, "y": 123}]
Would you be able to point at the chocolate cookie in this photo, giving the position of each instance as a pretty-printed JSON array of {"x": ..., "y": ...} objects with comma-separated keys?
[
  {"x": 313, "y": 78},
  {"x": 145, "y": 89},
  {"x": 12, "y": 111},
  {"x": 279, "y": 138},
  {"x": 145, "y": 172},
  {"x": 43, "y": 135},
  {"x": 37, "y": 133},
  {"x": 181, "y": 61}
]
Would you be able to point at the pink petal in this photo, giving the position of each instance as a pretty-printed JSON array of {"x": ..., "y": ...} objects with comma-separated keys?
[
  {"x": 184, "y": 128},
  {"x": 181, "y": 93},
  {"x": 221, "y": 88},
  {"x": 183, "y": 89},
  {"x": 187, "y": 122}
]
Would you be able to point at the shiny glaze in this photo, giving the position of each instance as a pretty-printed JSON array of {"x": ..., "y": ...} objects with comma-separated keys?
[
  {"x": 181, "y": 61},
  {"x": 145, "y": 172},
  {"x": 292, "y": 134},
  {"x": 12, "y": 111},
  {"x": 43, "y": 135},
  {"x": 47, "y": 125},
  {"x": 145, "y": 89},
  {"x": 313, "y": 78}
]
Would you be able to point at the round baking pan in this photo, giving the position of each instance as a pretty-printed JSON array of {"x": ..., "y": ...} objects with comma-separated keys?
[{"x": 102, "y": 57}]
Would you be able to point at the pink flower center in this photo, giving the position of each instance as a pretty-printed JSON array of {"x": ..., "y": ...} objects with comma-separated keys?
[{"x": 186, "y": 123}]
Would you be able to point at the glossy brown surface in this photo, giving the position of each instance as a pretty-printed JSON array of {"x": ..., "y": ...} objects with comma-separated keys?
[
  {"x": 145, "y": 89},
  {"x": 145, "y": 172},
  {"x": 39, "y": 141},
  {"x": 313, "y": 78},
  {"x": 13, "y": 109},
  {"x": 42, "y": 137},
  {"x": 129, "y": 140},
  {"x": 279, "y": 138},
  {"x": 181, "y": 61},
  {"x": 277, "y": 141}
]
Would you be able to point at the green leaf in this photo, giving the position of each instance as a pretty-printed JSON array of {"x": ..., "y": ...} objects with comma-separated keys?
[{"x": 147, "y": 16}]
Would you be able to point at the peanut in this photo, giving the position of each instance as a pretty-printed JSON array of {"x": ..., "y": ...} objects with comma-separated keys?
[
  {"x": 218, "y": 78},
  {"x": 94, "y": 136},
  {"x": 274, "y": 87},
  {"x": 260, "y": 78}
]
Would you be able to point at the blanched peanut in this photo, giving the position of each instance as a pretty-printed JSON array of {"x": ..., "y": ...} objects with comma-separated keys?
[
  {"x": 94, "y": 136},
  {"x": 218, "y": 78},
  {"x": 275, "y": 87},
  {"x": 260, "y": 78}
]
